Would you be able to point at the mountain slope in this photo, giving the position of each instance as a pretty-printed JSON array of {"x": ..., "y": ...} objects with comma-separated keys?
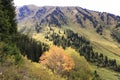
[
  {"x": 58, "y": 16},
  {"x": 102, "y": 29},
  {"x": 98, "y": 27}
]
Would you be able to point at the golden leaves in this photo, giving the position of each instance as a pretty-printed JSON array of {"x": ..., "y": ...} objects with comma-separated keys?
[{"x": 57, "y": 60}]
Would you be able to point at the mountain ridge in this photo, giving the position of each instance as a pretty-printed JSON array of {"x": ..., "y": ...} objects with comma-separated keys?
[
  {"x": 59, "y": 16},
  {"x": 32, "y": 19}
]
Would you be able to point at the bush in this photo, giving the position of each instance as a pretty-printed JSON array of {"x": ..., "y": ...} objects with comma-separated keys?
[{"x": 9, "y": 51}]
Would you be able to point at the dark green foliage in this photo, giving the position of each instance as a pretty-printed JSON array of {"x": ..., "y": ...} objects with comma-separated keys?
[
  {"x": 96, "y": 76},
  {"x": 8, "y": 28},
  {"x": 29, "y": 47},
  {"x": 118, "y": 68},
  {"x": 83, "y": 46},
  {"x": 9, "y": 35},
  {"x": 118, "y": 25},
  {"x": 99, "y": 30},
  {"x": 9, "y": 49},
  {"x": 106, "y": 61},
  {"x": 7, "y": 17},
  {"x": 116, "y": 34},
  {"x": 79, "y": 20}
]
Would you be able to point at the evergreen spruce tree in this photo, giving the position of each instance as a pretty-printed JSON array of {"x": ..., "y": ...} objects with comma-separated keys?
[
  {"x": 106, "y": 61},
  {"x": 7, "y": 17},
  {"x": 3, "y": 21}
]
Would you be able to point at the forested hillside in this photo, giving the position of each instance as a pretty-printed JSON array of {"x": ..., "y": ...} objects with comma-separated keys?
[
  {"x": 94, "y": 35},
  {"x": 58, "y": 43},
  {"x": 20, "y": 54}
]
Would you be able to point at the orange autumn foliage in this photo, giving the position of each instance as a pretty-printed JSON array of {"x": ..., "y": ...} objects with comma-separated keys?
[{"x": 57, "y": 60}]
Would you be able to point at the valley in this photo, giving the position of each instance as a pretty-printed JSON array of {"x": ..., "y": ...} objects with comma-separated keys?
[{"x": 58, "y": 43}]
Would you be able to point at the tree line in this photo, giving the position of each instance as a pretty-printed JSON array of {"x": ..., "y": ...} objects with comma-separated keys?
[
  {"x": 27, "y": 46},
  {"x": 30, "y": 47},
  {"x": 83, "y": 46}
]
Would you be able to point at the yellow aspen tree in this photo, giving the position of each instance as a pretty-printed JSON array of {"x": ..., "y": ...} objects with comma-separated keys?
[{"x": 57, "y": 60}]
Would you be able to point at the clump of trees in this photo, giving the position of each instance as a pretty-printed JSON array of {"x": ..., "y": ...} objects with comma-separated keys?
[
  {"x": 30, "y": 47},
  {"x": 116, "y": 34},
  {"x": 96, "y": 76},
  {"x": 9, "y": 54},
  {"x": 83, "y": 46},
  {"x": 99, "y": 30},
  {"x": 57, "y": 60},
  {"x": 27, "y": 46}
]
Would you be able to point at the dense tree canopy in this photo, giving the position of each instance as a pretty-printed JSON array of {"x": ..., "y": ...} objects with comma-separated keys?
[
  {"x": 8, "y": 33},
  {"x": 7, "y": 17}
]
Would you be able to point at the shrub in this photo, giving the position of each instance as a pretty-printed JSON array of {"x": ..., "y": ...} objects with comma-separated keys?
[{"x": 9, "y": 52}]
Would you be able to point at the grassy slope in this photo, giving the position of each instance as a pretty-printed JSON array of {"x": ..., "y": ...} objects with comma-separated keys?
[
  {"x": 106, "y": 74},
  {"x": 82, "y": 65},
  {"x": 46, "y": 31},
  {"x": 84, "y": 69},
  {"x": 40, "y": 72},
  {"x": 27, "y": 71},
  {"x": 24, "y": 70},
  {"x": 103, "y": 44}
]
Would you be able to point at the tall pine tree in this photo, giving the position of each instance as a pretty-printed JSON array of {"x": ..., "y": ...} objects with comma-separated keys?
[
  {"x": 7, "y": 17},
  {"x": 4, "y": 25}
]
